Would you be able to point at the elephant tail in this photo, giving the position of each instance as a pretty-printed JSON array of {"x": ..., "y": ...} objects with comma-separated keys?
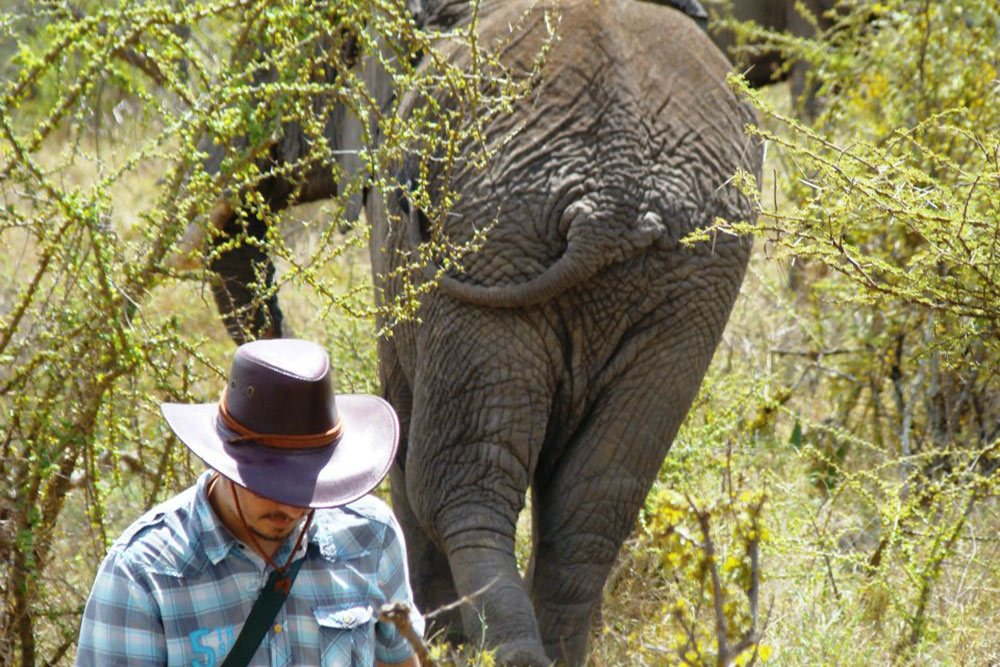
[
  {"x": 566, "y": 272},
  {"x": 591, "y": 245}
]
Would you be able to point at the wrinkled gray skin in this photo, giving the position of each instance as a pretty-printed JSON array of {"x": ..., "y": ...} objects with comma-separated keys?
[
  {"x": 568, "y": 352},
  {"x": 779, "y": 16}
]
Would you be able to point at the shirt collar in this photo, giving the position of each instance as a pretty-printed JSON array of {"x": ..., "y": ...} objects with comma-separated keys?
[{"x": 214, "y": 537}]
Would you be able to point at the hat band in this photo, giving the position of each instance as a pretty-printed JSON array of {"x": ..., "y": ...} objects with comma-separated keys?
[{"x": 307, "y": 441}]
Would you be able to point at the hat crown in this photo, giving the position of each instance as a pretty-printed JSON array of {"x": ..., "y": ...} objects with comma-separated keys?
[{"x": 281, "y": 386}]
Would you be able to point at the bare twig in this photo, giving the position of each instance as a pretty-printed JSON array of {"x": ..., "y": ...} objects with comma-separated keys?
[
  {"x": 465, "y": 599},
  {"x": 826, "y": 559}
]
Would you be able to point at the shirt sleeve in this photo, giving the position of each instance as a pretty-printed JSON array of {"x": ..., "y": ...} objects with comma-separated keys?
[
  {"x": 394, "y": 579},
  {"x": 121, "y": 622}
]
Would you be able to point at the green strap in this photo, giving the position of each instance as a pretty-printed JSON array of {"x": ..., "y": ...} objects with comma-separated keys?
[{"x": 264, "y": 610}]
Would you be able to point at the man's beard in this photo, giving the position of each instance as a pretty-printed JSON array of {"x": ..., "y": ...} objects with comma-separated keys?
[{"x": 278, "y": 535}]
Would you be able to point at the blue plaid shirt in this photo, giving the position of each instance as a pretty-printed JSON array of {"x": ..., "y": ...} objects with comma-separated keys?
[{"x": 176, "y": 587}]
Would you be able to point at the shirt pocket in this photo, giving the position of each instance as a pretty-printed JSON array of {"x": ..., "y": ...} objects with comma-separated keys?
[{"x": 348, "y": 634}]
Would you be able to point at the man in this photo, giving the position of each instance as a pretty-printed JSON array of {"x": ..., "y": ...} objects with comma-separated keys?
[{"x": 178, "y": 586}]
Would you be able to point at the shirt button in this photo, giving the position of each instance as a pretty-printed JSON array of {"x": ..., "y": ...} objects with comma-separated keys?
[{"x": 277, "y": 627}]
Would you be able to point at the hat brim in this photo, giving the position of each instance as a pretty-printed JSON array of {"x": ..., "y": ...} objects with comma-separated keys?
[{"x": 323, "y": 477}]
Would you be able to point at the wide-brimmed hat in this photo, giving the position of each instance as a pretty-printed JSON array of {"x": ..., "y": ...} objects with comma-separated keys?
[{"x": 279, "y": 430}]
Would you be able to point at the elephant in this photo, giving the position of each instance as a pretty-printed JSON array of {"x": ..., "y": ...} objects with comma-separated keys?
[
  {"x": 565, "y": 353},
  {"x": 766, "y": 67}
]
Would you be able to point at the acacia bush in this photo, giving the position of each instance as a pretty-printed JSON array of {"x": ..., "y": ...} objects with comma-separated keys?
[
  {"x": 107, "y": 119},
  {"x": 884, "y": 381}
]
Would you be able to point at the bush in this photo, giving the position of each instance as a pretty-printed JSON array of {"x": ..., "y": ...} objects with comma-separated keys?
[
  {"x": 106, "y": 130},
  {"x": 886, "y": 209}
]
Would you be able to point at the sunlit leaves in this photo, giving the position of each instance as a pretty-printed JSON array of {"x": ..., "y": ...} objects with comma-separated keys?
[
  {"x": 122, "y": 123},
  {"x": 889, "y": 209}
]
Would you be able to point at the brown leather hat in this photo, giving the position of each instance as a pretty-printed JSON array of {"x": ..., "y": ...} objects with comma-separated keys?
[{"x": 280, "y": 431}]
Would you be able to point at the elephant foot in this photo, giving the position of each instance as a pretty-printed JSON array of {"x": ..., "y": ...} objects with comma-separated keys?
[
  {"x": 567, "y": 651},
  {"x": 523, "y": 653}
]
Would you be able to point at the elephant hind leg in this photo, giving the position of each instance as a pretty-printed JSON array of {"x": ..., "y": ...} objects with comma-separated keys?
[
  {"x": 569, "y": 567},
  {"x": 430, "y": 573},
  {"x": 589, "y": 499},
  {"x": 498, "y": 608},
  {"x": 481, "y": 399}
]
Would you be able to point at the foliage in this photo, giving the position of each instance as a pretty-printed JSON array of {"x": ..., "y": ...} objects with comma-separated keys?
[
  {"x": 119, "y": 125},
  {"x": 679, "y": 533},
  {"x": 886, "y": 209}
]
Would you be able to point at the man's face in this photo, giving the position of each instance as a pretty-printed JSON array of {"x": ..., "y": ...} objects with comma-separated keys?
[{"x": 268, "y": 520}]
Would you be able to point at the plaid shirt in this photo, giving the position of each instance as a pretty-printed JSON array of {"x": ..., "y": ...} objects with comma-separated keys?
[{"x": 176, "y": 587}]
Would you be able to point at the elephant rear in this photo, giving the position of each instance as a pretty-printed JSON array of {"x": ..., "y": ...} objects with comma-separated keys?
[
  {"x": 567, "y": 351},
  {"x": 628, "y": 143}
]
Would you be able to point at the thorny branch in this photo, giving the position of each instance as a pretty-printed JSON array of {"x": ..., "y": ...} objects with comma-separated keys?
[{"x": 398, "y": 613}]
